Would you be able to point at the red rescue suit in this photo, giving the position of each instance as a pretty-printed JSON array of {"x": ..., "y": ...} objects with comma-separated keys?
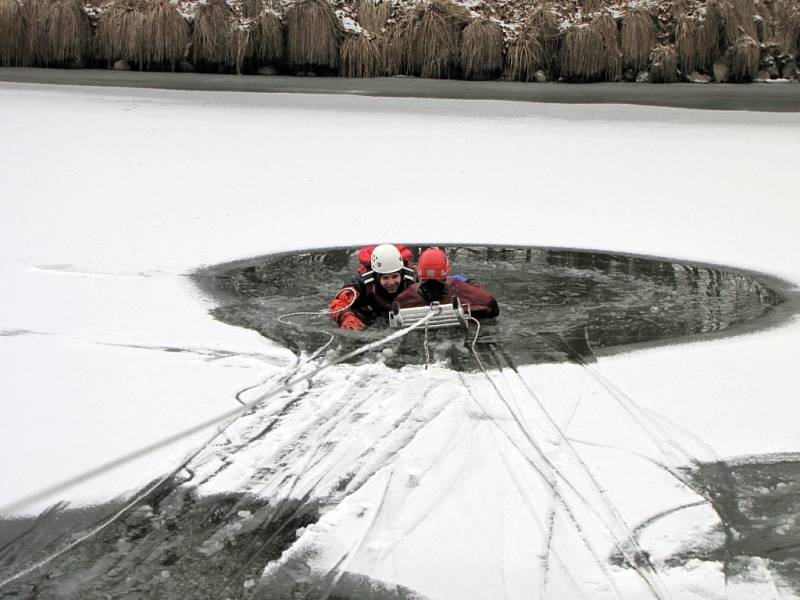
[
  {"x": 482, "y": 304},
  {"x": 365, "y": 300}
]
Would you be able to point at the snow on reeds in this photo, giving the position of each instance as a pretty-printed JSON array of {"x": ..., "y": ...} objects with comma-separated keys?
[
  {"x": 482, "y": 50},
  {"x": 10, "y": 33},
  {"x": 312, "y": 35},
  {"x": 146, "y": 33},
  {"x": 373, "y": 16},
  {"x": 638, "y": 38},
  {"x": 580, "y": 42},
  {"x": 361, "y": 55},
  {"x": 58, "y": 32},
  {"x": 427, "y": 40},
  {"x": 664, "y": 65}
]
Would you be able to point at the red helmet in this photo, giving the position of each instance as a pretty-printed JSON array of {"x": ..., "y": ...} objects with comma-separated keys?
[
  {"x": 433, "y": 264},
  {"x": 365, "y": 256}
]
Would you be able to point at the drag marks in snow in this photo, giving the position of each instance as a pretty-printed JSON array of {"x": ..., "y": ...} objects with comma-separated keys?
[{"x": 587, "y": 478}]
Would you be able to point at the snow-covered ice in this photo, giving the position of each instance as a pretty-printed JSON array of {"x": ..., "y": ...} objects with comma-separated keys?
[{"x": 111, "y": 197}]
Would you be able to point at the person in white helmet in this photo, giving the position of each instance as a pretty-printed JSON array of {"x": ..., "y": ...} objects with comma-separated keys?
[{"x": 369, "y": 295}]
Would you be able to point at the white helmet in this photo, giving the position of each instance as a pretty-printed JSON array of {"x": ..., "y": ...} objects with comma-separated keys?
[{"x": 386, "y": 259}]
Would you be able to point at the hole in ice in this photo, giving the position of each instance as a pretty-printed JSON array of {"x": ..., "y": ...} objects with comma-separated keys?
[{"x": 555, "y": 304}]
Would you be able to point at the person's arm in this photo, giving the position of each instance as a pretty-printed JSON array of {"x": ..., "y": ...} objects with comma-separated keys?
[
  {"x": 340, "y": 309},
  {"x": 490, "y": 311},
  {"x": 482, "y": 304}
]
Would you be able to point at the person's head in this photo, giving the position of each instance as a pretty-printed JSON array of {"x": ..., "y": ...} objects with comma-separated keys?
[
  {"x": 433, "y": 265},
  {"x": 387, "y": 264},
  {"x": 433, "y": 269}
]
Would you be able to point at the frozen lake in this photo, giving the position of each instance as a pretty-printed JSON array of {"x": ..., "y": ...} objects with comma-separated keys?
[{"x": 667, "y": 471}]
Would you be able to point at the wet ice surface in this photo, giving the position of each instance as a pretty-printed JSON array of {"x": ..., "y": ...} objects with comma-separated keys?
[
  {"x": 554, "y": 304},
  {"x": 298, "y": 459},
  {"x": 176, "y": 545}
]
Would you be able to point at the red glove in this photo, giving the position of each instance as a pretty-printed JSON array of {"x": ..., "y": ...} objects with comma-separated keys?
[
  {"x": 352, "y": 323},
  {"x": 341, "y": 303}
]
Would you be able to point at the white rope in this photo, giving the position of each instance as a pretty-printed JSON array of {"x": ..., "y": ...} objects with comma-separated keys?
[
  {"x": 97, "y": 529},
  {"x": 648, "y": 574},
  {"x": 426, "y": 347},
  {"x": 232, "y": 415},
  {"x": 145, "y": 450},
  {"x": 286, "y": 383}
]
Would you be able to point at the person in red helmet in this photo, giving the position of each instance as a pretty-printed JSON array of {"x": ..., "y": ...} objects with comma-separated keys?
[
  {"x": 437, "y": 285},
  {"x": 371, "y": 293}
]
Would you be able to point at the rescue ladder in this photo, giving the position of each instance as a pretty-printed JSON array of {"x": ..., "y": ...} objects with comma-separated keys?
[{"x": 444, "y": 315}]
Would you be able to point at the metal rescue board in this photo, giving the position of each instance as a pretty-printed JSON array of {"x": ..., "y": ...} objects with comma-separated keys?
[{"x": 445, "y": 315}]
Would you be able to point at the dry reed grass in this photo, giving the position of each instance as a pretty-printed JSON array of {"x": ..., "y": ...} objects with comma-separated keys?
[
  {"x": 482, "y": 50},
  {"x": 11, "y": 33},
  {"x": 664, "y": 65},
  {"x": 730, "y": 19},
  {"x": 268, "y": 39},
  {"x": 583, "y": 55},
  {"x": 638, "y": 38},
  {"x": 427, "y": 41},
  {"x": 373, "y": 17},
  {"x": 211, "y": 32},
  {"x": 148, "y": 33},
  {"x": 165, "y": 34},
  {"x": 525, "y": 56},
  {"x": 591, "y": 6},
  {"x": 696, "y": 43},
  {"x": 548, "y": 27},
  {"x": 58, "y": 32},
  {"x": 782, "y": 26},
  {"x": 361, "y": 56},
  {"x": 677, "y": 8},
  {"x": 252, "y": 9},
  {"x": 312, "y": 34},
  {"x": 119, "y": 32},
  {"x": 607, "y": 26},
  {"x": 745, "y": 58},
  {"x": 219, "y": 39}
]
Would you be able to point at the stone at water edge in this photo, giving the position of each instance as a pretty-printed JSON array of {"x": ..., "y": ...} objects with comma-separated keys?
[
  {"x": 121, "y": 65},
  {"x": 763, "y": 76},
  {"x": 540, "y": 76},
  {"x": 642, "y": 77},
  {"x": 789, "y": 70},
  {"x": 185, "y": 67},
  {"x": 697, "y": 77},
  {"x": 268, "y": 70},
  {"x": 721, "y": 72},
  {"x": 773, "y": 71}
]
